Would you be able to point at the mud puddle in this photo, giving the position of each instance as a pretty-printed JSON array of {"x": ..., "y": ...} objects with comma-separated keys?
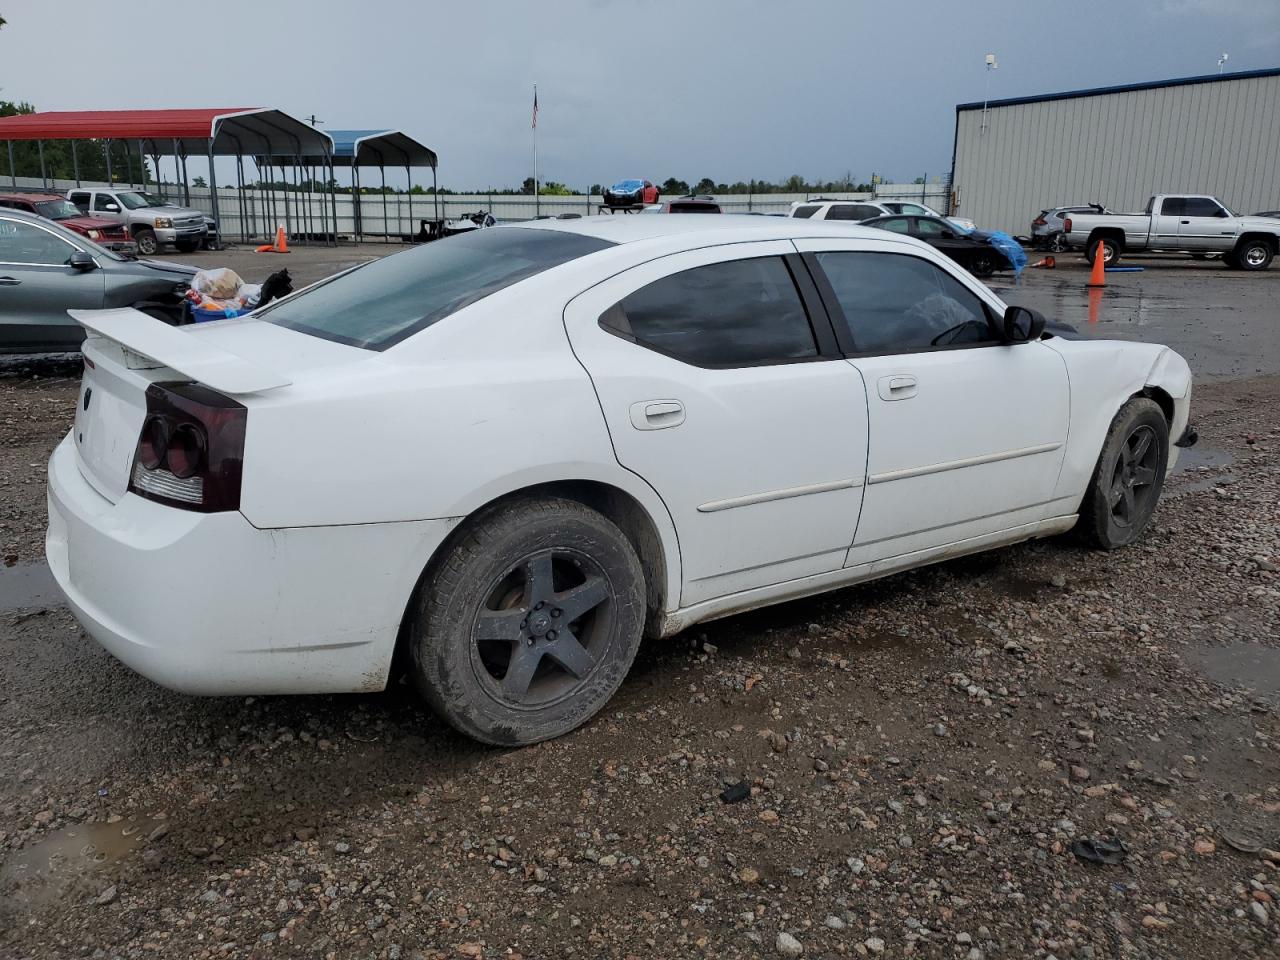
[
  {"x": 1246, "y": 665},
  {"x": 67, "y": 858},
  {"x": 28, "y": 585}
]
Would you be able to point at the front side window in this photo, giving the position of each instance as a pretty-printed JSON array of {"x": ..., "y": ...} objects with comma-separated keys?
[
  {"x": 26, "y": 243},
  {"x": 931, "y": 228},
  {"x": 896, "y": 303},
  {"x": 1202, "y": 207},
  {"x": 387, "y": 300},
  {"x": 806, "y": 211},
  {"x": 104, "y": 201},
  {"x": 734, "y": 314}
]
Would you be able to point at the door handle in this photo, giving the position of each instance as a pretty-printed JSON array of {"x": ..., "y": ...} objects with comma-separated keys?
[
  {"x": 9, "y": 281},
  {"x": 1184, "y": 222},
  {"x": 657, "y": 414},
  {"x": 898, "y": 386}
]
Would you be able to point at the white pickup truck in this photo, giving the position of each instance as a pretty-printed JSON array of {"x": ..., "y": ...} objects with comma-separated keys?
[{"x": 1178, "y": 223}]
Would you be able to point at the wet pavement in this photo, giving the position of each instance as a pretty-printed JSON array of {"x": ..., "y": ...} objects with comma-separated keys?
[{"x": 1225, "y": 322}]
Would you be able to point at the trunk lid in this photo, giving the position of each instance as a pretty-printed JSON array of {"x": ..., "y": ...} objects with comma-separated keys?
[{"x": 126, "y": 351}]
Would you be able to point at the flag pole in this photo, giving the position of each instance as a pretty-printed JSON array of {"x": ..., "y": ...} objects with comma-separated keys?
[{"x": 537, "y": 199}]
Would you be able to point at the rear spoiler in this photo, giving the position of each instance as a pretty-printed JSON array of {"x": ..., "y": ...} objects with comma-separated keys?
[{"x": 176, "y": 348}]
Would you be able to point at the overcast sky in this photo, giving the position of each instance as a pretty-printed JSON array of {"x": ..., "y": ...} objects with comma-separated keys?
[{"x": 727, "y": 89}]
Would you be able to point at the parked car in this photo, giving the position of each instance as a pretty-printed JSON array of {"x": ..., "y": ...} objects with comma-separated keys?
[
  {"x": 972, "y": 250},
  {"x": 1048, "y": 229},
  {"x": 59, "y": 209},
  {"x": 1178, "y": 223},
  {"x": 152, "y": 221},
  {"x": 691, "y": 203},
  {"x": 46, "y": 270},
  {"x": 911, "y": 208},
  {"x": 630, "y": 193},
  {"x": 667, "y": 420},
  {"x": 212, "y": 241},
  {"x": 824, "y": 208}
]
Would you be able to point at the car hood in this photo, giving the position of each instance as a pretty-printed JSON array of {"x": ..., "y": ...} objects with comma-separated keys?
[
  {"x": 150, "y": 268},
  {"x": 1259, "y": 223},
  {"x": 172, "y": 210},
  {"x": 88, "y": 223}
]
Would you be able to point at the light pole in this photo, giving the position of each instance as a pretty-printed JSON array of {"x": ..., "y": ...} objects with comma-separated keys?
[
  {"x": 986, "y": 92},
  {"x": 1222, "y": 62}
]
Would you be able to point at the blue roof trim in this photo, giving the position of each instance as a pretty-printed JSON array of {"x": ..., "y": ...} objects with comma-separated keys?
[
  {"x": 344, "y": 141},
  {"x": 1122, "y": 88}
]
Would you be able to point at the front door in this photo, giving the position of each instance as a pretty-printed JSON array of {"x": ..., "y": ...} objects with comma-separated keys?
[
  {"x": 1204, "y": 225},
  {"x": 722, "y": 387},
  {"x": 37, "y": 288},
  {"x": 967, "y": 433}
]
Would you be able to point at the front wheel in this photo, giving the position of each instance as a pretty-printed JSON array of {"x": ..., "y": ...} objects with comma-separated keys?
[
  {"x": 147, "y": 242},
  {"x": 982, "y": 265},
  {"x": 1129, "y": 476},
  {"x": 529, "y": 623},
  {"x": 1254, "y": 255}
]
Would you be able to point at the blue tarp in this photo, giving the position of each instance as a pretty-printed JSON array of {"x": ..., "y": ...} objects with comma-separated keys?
[{"x": 1011, "y": 248}]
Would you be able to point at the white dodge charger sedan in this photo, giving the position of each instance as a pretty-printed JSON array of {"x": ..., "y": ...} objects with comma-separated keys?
[{"x": 509, "y": 455}]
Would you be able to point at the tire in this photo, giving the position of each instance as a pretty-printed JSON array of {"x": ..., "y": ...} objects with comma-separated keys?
[
  {"x": 1229, "y": 259},
  {"x": 187, "y": 246},
  {"x": 1111, "y": 251},
  {"x": 519, "y": 570},
  {"x": 1255, "y": 254},
  {"x": 1058, "y": 243},
  {"x": 147, "y": 242},
  {"x": 1128, "y": 478},
  {"x": 982, "y": 264}
]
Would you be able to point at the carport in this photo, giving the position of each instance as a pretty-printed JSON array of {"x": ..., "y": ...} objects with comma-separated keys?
[
  {"x": 237, "y": 132},
  {"x": 383, "y": 148}
]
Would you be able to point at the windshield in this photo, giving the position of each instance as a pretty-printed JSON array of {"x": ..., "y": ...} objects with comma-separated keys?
[
  {"x": 132, "y": 201},
  {"x": 628, "y": 185},
  {"x": 57, "y": 209},
  {"x": 387, "y": 300},
  {"x": 154, "y": 201}
]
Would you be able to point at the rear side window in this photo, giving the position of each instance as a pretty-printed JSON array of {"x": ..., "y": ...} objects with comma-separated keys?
[
  {"x": 81, "y": 200},
  {"x": 387, "y": 300},
  {"x": 735, "y": 314},
  {"x": 1173, "y": 207},
  {"x": 902, "y": 304},
  {"x": 806, "y": 211},
  {"x": 852, "y": 211}
]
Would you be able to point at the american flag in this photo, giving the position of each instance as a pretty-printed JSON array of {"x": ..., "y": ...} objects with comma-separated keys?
[{"x": 535, "y": 106}]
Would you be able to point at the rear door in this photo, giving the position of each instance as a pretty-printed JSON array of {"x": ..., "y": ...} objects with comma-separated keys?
[
  {"x": 967, "y": 433},
  {"x": 723, "y": 388},
  {"x": 1166, "y": 223},
  {"x": 37, "y": 287}
]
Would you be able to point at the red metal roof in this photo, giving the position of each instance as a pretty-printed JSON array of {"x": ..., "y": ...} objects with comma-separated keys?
[{"x": 115, "y": 124}]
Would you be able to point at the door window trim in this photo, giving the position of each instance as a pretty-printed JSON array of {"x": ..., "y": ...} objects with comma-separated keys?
[
  {"x": 39, "y": 226},
  {"x": 821, "y": 325},
  {"x": 844, "y": 329}
]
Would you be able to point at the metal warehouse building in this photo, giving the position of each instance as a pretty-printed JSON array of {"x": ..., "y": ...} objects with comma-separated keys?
[{"x": 1217, "y": 134}]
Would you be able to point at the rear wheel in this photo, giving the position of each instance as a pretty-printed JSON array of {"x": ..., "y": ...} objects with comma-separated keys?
[
  {"x": 1058, "y": 243},
  {"x": 146, "y": 241},
  {"x": 1129, "y": 476},
  {"x": 1111, "y": 251},
  {"x": 1254, "y": 254},
  {"x": 529, "y": 624}
]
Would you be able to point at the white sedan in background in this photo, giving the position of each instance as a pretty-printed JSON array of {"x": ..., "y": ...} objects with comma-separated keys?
[{"x": 511, "y": 454}]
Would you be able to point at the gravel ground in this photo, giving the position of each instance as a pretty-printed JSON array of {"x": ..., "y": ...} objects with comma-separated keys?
[{"x": 899, "y": 769}]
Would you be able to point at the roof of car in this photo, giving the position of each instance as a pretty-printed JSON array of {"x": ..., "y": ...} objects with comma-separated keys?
[{"x": 630, "y": 229}]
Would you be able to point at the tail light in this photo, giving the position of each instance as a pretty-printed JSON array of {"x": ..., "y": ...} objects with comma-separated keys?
[
  {"x": 190, "y": 451},
  {"x": 1066, "y": 224},
  {"x": 1039, "y": 222}
]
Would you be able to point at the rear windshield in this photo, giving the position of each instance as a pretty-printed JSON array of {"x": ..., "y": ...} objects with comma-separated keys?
[{"x": 387, "y": 300}]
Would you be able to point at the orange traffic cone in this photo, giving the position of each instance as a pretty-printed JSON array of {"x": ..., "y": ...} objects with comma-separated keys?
[
  {"x": 1099, "y": 276},
  {"x": 282, "y": 242}
]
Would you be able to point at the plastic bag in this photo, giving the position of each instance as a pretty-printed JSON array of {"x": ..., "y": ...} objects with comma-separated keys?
[
  {"x": 250, "y": 294},
  {"x": 220, "y": 284}
]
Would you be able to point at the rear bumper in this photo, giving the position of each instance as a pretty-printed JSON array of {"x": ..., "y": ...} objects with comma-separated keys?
[{"x": 210, "y": 604}]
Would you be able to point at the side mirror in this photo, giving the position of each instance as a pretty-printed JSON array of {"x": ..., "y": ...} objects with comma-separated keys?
[
  {"x": 1022, "y": 324},
  {"x": 113, "y": 207},
  {"x": 948, "y": 235},
  {"x": 82, "y": 261}
]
